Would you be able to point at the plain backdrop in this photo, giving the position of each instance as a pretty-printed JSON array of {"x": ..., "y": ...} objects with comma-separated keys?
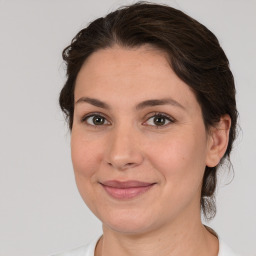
[{"x": 41, "y": 211}]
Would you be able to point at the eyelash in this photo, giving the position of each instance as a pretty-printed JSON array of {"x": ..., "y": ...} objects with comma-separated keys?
[
  {"x": 161, "y": 115},
  {"x": 86, "y": 117},
  {"x": 152, "y": 115}
]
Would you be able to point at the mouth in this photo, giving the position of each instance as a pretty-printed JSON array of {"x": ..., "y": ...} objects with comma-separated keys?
[{"x": 127, "y": 189}]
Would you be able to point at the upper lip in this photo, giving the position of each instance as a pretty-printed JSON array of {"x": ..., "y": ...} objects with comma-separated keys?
[{"x": 126, "y": 184}]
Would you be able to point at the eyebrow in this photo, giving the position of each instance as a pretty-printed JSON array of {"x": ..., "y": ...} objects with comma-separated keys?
[
  {"x": 93, "y": 102},
  {"x": 157, "y": 102},
  {"x": 142, "y": 105}
]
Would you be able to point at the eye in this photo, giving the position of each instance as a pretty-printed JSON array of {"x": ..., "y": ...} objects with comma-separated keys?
[
  {"x": 95, "y": 120},
  {"x": 159, "y": 119}
]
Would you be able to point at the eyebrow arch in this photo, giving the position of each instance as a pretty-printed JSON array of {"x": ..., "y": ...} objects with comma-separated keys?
[
  {"x": 93, "y": 102},
  {"x": 157, "y": 102},
  {"x": 143, "y": 104}
]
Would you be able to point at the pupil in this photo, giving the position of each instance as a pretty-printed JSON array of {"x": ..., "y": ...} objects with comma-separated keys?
[
  {"x": 98, "y": 120},
  {"x": 159, "y": 120}
]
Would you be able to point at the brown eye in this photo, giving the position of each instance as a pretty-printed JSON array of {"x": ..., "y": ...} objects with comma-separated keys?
[
  {"x": 98, "y": 120},
  {"x": 159, "y": 120},
  {"x": 95, "y": 120}
]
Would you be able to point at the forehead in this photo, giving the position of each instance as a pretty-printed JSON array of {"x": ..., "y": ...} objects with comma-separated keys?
[
  {"x": 120, "y": 61},
  {"x": 136, "y": 73}
]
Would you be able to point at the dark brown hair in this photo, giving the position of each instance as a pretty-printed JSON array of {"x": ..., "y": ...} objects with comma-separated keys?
[{"x": 194, "y": 54}]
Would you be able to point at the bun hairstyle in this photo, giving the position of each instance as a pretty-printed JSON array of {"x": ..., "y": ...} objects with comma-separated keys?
[{"x": 194, "y": 54}]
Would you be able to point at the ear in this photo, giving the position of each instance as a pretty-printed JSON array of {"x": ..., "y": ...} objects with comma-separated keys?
[{"x": 218, "y": 138}]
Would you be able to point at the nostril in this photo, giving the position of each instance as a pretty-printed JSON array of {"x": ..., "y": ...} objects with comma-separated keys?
[
  {"x": 129, "y": 165},
  {"x": 121, "y": 165},
  {"x": 123, "y": 157}
]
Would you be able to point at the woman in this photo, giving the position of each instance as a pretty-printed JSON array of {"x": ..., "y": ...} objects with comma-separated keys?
[{"x": 150, "y": 102}]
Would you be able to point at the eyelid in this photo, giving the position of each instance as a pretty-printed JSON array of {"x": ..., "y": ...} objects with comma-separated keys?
[
  {"x": 161, "y": 114},
  {"x": 148, "y": 116},
  {"x": 85, "y": 117}
]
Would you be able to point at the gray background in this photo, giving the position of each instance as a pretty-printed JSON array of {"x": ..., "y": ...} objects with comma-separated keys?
[{"x": 41, "y": 211}]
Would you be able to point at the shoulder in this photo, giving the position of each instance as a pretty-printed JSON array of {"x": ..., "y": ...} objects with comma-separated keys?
[
  {"x": 86, "y": 250},
  {"x": 224, "y": 250}
]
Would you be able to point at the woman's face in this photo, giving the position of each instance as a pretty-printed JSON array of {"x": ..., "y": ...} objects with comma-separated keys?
[{"x": 139, "y": 144}]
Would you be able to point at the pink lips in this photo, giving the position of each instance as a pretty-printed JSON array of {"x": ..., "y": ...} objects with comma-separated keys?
[{"x": 127, "y": 189}]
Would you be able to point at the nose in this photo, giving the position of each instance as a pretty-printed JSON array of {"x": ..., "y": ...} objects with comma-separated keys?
[{"x": 123, "y": 150}]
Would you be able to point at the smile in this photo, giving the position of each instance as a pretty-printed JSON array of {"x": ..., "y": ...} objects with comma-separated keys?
[{"x": 127, "y": 189}]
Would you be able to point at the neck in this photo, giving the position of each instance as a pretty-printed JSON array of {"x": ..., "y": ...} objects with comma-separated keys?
[{"x": 184, "y": 237}]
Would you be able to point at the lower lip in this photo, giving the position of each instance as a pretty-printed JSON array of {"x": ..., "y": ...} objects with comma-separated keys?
[{"x": 126, "y": 193}]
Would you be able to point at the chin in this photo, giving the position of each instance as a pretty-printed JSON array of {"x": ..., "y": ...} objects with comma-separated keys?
[
  {"x": 128, "y": 222},
  {"x": 129, "y": 228}
]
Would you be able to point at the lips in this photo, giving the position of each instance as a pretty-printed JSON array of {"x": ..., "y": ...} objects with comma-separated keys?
[{"x": 126, "y": 189}]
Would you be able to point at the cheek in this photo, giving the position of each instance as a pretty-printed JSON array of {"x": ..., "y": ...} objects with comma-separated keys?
[
  {"x": 182, "y": 158},
  {"x": 85, "y": 155},
  {"x": 86, "y": 159}
]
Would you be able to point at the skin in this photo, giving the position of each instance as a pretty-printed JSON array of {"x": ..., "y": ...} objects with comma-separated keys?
[{"x": 130, "y": 145}]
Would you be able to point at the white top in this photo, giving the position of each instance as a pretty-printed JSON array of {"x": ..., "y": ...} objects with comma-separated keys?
[{"x": 89, "y": 249}]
